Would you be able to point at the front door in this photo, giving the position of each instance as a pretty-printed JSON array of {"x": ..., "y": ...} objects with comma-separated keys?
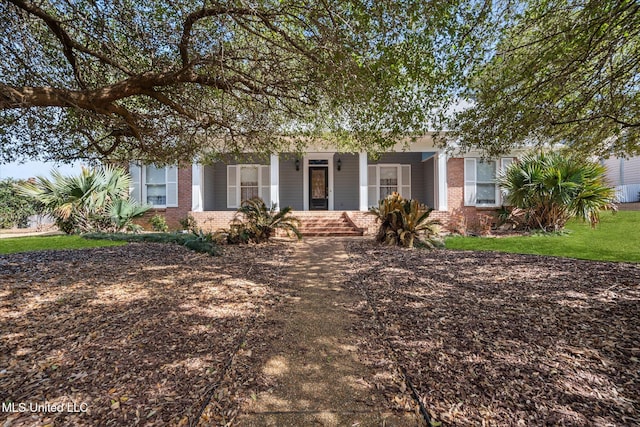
[{"x": 318, "y": 188}]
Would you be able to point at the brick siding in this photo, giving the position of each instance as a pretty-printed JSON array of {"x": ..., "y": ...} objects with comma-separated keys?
[{"x": 173, "y": 215}]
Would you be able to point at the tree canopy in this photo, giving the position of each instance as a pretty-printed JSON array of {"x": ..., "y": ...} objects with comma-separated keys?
[
  {"x": 169, "y": 80},
  {"x": 563, "y": 72}
]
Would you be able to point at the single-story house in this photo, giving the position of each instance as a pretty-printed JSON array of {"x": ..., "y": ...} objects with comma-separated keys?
[
  {"x": 324, "y": 185},
  {"x": 624, "y": 175}
]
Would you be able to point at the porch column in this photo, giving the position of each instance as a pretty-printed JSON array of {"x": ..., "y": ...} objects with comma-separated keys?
[
  {"x": 364, "y": 181},
  {"x": 197, "y": 192},
  {"x": 441, "y": 171},
  {"x": 274, "y": 179}
]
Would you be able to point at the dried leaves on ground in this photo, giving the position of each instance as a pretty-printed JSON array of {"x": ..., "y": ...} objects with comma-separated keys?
[
  {"x": 138, "y": 334},
  {"x": 503, "y": 339}
]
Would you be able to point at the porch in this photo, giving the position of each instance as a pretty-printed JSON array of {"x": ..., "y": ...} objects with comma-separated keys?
[{"x": 321, "y": 181}]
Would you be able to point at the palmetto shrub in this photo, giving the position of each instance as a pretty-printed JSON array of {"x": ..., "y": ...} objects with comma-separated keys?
[
  {"x": 405, "y": 222},
  {"x": 95, "y": 200},
  {"x": 547, "y": 189},
  {"x": 255, "y": 222}
]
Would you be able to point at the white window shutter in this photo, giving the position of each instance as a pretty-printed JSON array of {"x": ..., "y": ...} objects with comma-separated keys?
[
  {"x": 505, "y": 162},
  {"x": 405, "y": 181},
  {"x": 232, "y": 186},
  {"x": 373, "y": 194},
  {"x": 136, "y": 179},
  {"x": 469, "y": 182},
  {"x": 172, "y": 186},
  {"x": 265, "y": 185}
]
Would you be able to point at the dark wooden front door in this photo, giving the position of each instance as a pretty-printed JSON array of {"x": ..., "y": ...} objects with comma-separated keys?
[{"x": 318, "y": 188}]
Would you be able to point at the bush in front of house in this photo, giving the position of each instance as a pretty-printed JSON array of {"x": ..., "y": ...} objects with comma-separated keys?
[
  {"x": 196, "y": 241},
  {"x": 256, "y": 223},
  {"x": 405, "y": 222},
  {"x": 189, "y": 223},
  {"x": 159, "y": 223},
  {"x": 96, "y": 200},
  {"x": 545, "y": 190}
]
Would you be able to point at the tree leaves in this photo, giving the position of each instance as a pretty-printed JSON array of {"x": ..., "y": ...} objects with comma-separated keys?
[
  {"x": 563, "y": 73},
  {"x": 174, "y": 80}
]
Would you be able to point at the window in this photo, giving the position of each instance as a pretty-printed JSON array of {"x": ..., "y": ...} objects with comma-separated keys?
[
  {"x": 249, "y": 183},
  {"x": 156, "y": 183},
  {"x": 385, "y": 179},
  {"x": 246, "y": 182},
  {"x": 480, "y": 187},
  {"x": 388, "y": 180},
  {"x": 157, "y": 186}
]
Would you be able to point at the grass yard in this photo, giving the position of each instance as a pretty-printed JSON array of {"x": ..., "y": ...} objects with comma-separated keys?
[
  {"x": 615, "y": 239},
  {"x": 39, "y": 243}
]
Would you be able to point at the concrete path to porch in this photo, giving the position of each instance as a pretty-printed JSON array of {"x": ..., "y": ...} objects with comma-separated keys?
[{"x": 317, "y": 375}]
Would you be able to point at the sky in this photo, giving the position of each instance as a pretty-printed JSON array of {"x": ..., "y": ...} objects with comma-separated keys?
[{"x": 32, "y": 169}]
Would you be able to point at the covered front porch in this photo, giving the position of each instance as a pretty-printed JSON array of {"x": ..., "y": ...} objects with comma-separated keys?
[
  {"x": 321, "y": 181},
  {"x": 317, "y": 182}
]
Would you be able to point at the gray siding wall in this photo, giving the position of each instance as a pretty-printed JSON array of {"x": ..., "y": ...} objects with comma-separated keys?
[
  {"x": 421, "y": 188},
  {"x": 346, "y": 182},
  {"x": 220, "y": 186},
  {"x": 290, "y": 182},
  {"x": 209, "y": 187},
  {"x": 215, "y": 182},
  {"x": 429, "y": 178}
]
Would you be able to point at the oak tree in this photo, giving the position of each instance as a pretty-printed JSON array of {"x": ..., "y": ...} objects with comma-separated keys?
[
  {"x": 170, "y": 80},
  {"x": 564, "y": 72}
]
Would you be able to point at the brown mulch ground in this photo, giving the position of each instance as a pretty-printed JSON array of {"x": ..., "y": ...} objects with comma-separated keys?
[
  {"x": 503, "y": 339},
  {"x": 138, "y": 334},
  {"x": 146, "y": 333}
]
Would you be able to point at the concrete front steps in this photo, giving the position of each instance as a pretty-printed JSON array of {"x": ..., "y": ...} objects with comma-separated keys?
[{"x": 317, "y": 224}]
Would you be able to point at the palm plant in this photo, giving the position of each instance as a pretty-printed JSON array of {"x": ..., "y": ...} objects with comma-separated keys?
[
  {"x": 547, "y": 189},
  {"x": 405, "y": 222},
  {"x": 260, "y": 222},
  {"x": 97, "y": 199}
]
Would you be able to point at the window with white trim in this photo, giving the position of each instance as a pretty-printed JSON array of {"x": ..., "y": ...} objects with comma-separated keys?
[
  {"x": 246, "y": 182},
  {"x": 156, "y": 183},
  {"x": 157, "y": 186},
  {"x": 385, "y": 179},
  {"x": 480, "y": 186}
]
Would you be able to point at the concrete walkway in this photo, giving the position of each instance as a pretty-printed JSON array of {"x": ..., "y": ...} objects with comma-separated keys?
[{"x": 315, "y": 368}]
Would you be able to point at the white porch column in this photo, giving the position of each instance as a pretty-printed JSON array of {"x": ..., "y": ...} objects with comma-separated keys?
[
  {"x": 364, "y": 181},
  {"x": 197, "y": 191},
  {"x": 274, "y": 179},
  {"x": 441, "y": 171}
]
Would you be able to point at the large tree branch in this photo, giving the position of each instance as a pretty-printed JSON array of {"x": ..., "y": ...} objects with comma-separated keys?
[
  {"x": 194, "y": 17},
  {"x": 56, "y": 28},
  {"x": 68, "y": 44}
]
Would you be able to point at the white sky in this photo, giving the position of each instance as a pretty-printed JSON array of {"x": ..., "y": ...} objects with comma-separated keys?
[{"x": 32, "y": 169}]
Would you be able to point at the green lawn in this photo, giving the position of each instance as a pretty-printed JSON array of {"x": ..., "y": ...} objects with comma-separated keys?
[
  {"x": 38, "y": 243},
  {"x": 617, "y": 238}
]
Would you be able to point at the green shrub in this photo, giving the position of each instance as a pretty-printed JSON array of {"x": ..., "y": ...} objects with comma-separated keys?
[
  {"x": 96, "y": 200},
  {"x": 256, "y": 223},
  {"x": 159, "y": 223},
  {"x": 189, "y": 223},
  {"x": 199, "y": 242},
  {"x": 547, "y": 189},
  {"x": 15, "y": 208},
  {"x": 405, "y": 223}
]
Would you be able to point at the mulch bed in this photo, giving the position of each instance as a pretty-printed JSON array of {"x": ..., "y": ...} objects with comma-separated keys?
[
  {"x": 138, "y": 334},
  {"x": 503, "y": 339}
]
